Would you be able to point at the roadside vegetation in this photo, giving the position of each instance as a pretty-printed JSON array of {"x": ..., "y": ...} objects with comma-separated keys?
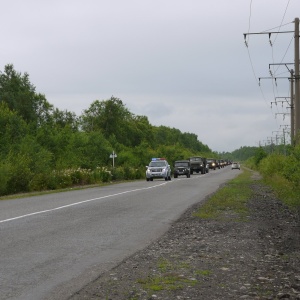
[
  {"x": 230, "y": 201},
  {"x": 168, "y": 277},
  {"x": 281, "y": 171},
  {"x": 44, "y": 148}
]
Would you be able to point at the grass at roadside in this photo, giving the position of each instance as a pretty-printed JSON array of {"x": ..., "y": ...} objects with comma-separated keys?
[
  {"x": 169, "y": 277},
  {"x": 229, "y": 201},
  {"x": 284, "y": 190}
]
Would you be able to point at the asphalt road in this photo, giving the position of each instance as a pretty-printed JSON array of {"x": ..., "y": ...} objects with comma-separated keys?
[{"x": 54, "y": 244}]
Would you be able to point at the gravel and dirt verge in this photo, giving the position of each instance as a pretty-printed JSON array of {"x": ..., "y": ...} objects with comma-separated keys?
[{"x": 213, "y": 259}]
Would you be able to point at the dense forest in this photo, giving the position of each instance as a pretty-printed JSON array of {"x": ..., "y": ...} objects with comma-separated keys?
[{"x": 42, "y": 147}]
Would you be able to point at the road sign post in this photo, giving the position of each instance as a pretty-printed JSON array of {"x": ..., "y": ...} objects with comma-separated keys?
[{"x": 113, "y": 155}]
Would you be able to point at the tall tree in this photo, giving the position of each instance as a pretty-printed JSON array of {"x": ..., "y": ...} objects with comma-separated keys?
[
  {"x": 64, "y": 118},
  {"x": 12, "y": 129},
  {"x": 20, "y": 96},
  {"x": 111, "y": 117}
]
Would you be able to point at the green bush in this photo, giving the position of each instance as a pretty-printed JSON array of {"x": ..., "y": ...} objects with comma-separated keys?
[
  {"x": 118, "y": 173},
  {"x": 20, "y": 174},
  {"x": 132, "y": 173},
  {"x": 292, "y": 167},
  {"x": 260, "y": 154},
  {"x": 272, "y": 164},
  {"x": 61, "y": 179},
  {"x": 250, "y": 163},
  {"x": 42, "y": 182},
  {"x": 102, "y": 174},
  {"x": 4, "y": 177},
  {"x": 282, "y": 173}
]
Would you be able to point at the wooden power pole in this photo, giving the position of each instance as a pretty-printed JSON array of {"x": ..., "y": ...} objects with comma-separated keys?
[{"x": 297, "y": 88}]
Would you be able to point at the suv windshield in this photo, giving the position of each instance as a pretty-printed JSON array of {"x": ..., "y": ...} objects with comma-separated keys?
[
  {"x": 195, "y": 158},
  {"x": 181, "y": 164},
  {"x": 157, "y": 164}
]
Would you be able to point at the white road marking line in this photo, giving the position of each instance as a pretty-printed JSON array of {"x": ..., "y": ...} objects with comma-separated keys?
[{"x": 78, "y": 203}]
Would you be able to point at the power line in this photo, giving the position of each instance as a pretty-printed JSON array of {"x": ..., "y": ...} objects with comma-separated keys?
[
  {"x": 285, "y": 54},
  {"x": 267, "y": 30},
  {"x": 282, "y": 18},
  {"x": 250, "y": 17}
]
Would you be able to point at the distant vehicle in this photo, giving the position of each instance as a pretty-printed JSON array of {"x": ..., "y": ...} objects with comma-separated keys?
[
  {"x": 221, "y": 163},
  {"x": 235, "y": 165},
  {"x": 158, "y": 168},
  {"x": 182, "y": 167},
  {"x": 212, "y": 163},
  {"x": 207, "y": 167},
  {"x": 198, "y": 164},
  {"x": 227, "y": 162}
]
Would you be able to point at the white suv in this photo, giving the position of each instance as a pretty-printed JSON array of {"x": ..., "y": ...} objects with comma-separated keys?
[{"x": 158, "y": 168}]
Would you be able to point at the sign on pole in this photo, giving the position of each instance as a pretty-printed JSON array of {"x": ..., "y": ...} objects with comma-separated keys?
[{"x": 113, "y": 155}]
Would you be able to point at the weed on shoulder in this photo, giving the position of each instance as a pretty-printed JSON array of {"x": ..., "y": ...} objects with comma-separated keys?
[{"x": 229, "y": 202}]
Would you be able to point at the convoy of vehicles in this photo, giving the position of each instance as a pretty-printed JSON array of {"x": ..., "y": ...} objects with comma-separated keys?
[{"x": 160, "y": 168}]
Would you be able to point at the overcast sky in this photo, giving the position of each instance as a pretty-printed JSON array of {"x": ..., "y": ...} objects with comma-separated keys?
[{"x": 181, "y": 63}]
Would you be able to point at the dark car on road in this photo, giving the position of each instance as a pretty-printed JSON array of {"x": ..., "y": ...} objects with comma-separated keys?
[
  {"x": 212, "y": 163},
  {"x": 182, "y": 167}
]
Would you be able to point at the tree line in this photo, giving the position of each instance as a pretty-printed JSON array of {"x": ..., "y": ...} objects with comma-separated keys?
[{"x": 42, "y": 147}]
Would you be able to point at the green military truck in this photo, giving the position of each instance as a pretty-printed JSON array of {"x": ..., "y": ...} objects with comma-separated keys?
[{"x": 198, "y": 164}]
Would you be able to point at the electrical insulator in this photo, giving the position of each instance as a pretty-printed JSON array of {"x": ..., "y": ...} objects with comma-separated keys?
[{"x": 270, "y": 39}]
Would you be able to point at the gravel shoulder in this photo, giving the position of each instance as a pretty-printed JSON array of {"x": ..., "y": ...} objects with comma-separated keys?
[{"x": 213, "y": 259}]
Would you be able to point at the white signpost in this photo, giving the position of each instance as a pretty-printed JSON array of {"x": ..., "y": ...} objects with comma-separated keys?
[{"x": 113, "y": 155}]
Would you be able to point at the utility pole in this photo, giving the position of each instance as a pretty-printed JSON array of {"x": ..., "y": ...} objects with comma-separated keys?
[
  {"x": 271, "y": 144},
  {"x": 292, "y": 97},
  {"x": 292, "y": 110},
  {"x": 276, "y": 136},
  {"x": 297, "y": 88},
  {"x": 285, "y": 128},
  {"x": 284, "y": 150}
]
